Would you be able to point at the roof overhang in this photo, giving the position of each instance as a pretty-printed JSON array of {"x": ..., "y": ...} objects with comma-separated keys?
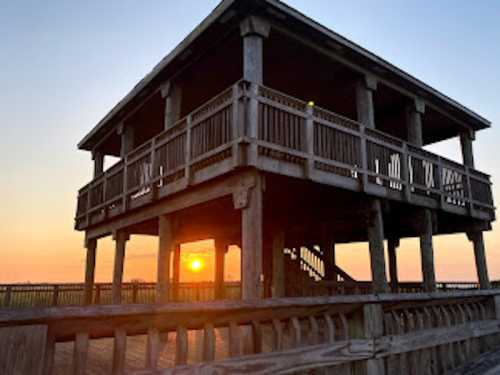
[{"x": 345, "y": 50}]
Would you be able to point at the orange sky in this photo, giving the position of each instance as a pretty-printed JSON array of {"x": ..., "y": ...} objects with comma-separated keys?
[{"x": 66, "y": 66}]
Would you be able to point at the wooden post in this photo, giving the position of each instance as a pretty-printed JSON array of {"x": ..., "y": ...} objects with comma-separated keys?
[
  {"x": 127, "y": 134},
  {"x": 364, "y": 100},
  {"x": 392, "y": 246},
  {"x": 466, "y": 139},
  {"x": 427, "y": 252},
  {"x": 172, "y": 93},
  {"x": 121, "y": 237},
  {"x": 89, "y": 271},
  {"x": 165, "y": 248},
  {"x": 477, "y": 240},
  {"x": 373, "y": 317},
  {"x": 98, "y": 158},
  {"x": 249, "y": 200},
  {"x": 376, "y": 242},
  {"x": 278, "y": 264},
  {"x": 328, "y": 247},
  {"x": 176, "y": 271},
  {"x": 414, "y": 113},
  {"x": 253, "y": 30},
  {"x": 220, "y": 252}
]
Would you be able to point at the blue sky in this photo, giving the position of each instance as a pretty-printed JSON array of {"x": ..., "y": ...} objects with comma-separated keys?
[{"x": 64, "y": 65}]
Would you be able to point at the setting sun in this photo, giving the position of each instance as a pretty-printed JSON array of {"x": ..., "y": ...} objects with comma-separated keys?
[{"x": 196, "y": 265}]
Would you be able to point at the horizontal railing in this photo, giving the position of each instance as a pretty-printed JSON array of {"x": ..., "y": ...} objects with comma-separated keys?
[
  {"x": 309, "y": 141},
  {"x": 15, "y": 296},
  {"x": 396, "y": 334}
]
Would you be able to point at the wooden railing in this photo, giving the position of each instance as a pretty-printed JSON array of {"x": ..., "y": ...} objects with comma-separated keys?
[
  {"x": 15, "y": 296},
  {"x": 38, "y": 295},
  {"x": 309, "y": 142},
  {"x": 395, "y": 334}
]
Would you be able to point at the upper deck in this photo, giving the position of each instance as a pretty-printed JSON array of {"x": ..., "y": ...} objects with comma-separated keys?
[{"x": 250, "y": 125}]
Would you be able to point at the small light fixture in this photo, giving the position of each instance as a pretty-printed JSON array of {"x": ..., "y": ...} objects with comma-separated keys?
[{"x": 310, "y": 103}]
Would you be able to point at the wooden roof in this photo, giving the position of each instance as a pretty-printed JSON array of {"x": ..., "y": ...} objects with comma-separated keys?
[{"x": 214, "y": 25}]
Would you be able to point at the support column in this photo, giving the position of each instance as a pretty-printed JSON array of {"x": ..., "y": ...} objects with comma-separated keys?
[
  {"x": 427, "y": 252},
  {"x": 176, "y": 271},
  {"x": 249, "y": 200},
  {"x": 466, "y": 139},
  {"x": 278, "y": 264},
  {"x": 127, "y": 134},
  {"x": 98, "y": 158},
  {"x": 414, "y": 113},
  {"x": 328, "y": 246},
  {"x": 477, "y": 240},
  {"x": 254, "y": 30},
  {"x": 364, "y": 100},
  {"x": 376, "y": 242},
  {"x": 90, "y": 271},
  {"x": 220, "y": 252},
  {"x": 121, "y": 237},
  {"x": 165, "y": 248},
  {"x": 392, "y": 246},
  {"x": 172, "y": 94}
]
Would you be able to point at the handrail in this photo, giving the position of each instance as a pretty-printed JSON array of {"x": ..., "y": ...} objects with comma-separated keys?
[{"x": 334, "y": 143}]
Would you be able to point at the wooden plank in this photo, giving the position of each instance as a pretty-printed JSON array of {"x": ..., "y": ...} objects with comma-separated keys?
[{"x": 23, "y": 349}]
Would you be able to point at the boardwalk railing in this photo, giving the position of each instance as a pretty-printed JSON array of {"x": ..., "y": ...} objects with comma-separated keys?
[
  {"x": 284, "y": 135},
  {"x": 374, "y": 334},
  {"x": 15, "y": 296}
]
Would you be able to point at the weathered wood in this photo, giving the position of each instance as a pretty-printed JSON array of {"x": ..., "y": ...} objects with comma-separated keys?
[
  {"x": 50, "y": 351},
  {"x": 181, "y": 348},
  {"x": 376, "y": 242},
  {"x": 121, "y": 238},
  {"x": 221, "y": 247},
  {"x": 278, "y": 264},
  {"x": 90, "y": 271},
  {"x": 252, "y": 245},
  {"x": 477, "y": 240},
  {"x": 364, "y": 101},
  {"x": 427, "y": 252},
  {"x": 466, "y": 139},
  {"x": 234, "y": 339},
  {"x": 414, "y": 112},
  {"x": 152, "y": 348},
  {"x": 176, "y": 271},
  {"x": 392, "y": 246},
  {"x": 253, "y": 30},
  {"x": 165, "y": 248},
  {"x": 208, "y": 343},
  {"x": 23, "y": 349},
  {"x": 127, "y": 135},
  {"x": 80, "y": 353},
  {"x": 119, "y": 352}
]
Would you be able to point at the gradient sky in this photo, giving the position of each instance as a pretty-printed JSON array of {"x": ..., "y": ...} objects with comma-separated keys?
[{"x": 64, "y": 64}]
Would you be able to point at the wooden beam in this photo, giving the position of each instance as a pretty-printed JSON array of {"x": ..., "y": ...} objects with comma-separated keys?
[
  {"x": 376, "y": 243},
  {"x": 98, "y": 158},
  {"x": 477, "y": 240},
  {"x": 121, "y": 237},
  {"x": 127, "y": 133},
  {"x": 253, "y": 30},
  {"x": 221, "y": 247},
  {"x": 392, "y": 246},
  {"x": 466, "y": 139},
  {"x": 278, "y": 264},
  {"x": 427, "y": 252},
  {"x": 252, "y": 242},
  {"x": 414, "y": 113},
  {"x": 176, "y": 265},
  {"x": 364, "y": 100},
  {"x": 165, "y": 248},
  {"x": 89, "y": 271}
]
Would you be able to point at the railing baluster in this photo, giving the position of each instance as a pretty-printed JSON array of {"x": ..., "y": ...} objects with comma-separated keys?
[
  {"x": 234, "y": 339},
  {"x": 277, "y": 335}
]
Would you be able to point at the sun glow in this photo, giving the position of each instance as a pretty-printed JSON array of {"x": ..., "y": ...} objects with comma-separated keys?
[{"x": 196, "y": 265}]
